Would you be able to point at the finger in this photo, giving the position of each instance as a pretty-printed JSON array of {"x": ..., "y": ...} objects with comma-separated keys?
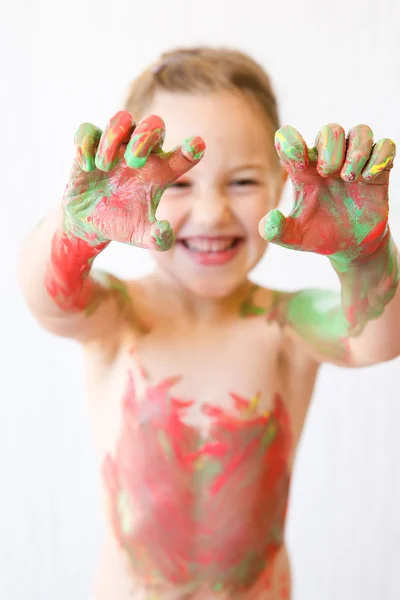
[
  {"x": 148, "y": 137},
  {"x": 280, "y": 230},
  {"x": 360, "y": 140},
  {"x": 381, "y": 158},
  {"x": 118, "y": 131},
  {"x": 331, "y": 146},
  {"x": 86, "y": 141},
  {"x": 291, "y": 148},
  {"x": 162, "y": 235},
  {"x": 184, "y": 157}
]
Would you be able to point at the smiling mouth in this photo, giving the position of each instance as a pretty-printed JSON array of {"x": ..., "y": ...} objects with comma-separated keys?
[{"x": 210, "y": 245}]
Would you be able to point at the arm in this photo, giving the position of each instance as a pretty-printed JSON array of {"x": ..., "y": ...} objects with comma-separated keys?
[
  {"x": 341, "y": 211},
  {"x": 65, "y": 296},
  {"x": 116, "y": 183}
]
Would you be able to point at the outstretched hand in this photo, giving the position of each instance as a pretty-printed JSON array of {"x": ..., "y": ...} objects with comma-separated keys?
[
  {"x": 340, "y": 193},
  {"x": 118, "y": 178}
]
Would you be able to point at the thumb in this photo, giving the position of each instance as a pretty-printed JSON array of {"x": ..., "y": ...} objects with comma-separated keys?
[
  {"x": 278, "y": 229},
  {"x": 184, "y": 157}
]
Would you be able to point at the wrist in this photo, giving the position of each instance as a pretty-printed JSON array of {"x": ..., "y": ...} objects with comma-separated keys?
[
  {"x": 66, "y": 278},
  {"x": 79, "y": 227},
  {"x": 368, "y": 283},
  {"x": 367, "y": 255}
]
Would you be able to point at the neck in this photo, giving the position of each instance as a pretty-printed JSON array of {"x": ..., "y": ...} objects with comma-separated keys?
[{"x": 198, "y": 309}]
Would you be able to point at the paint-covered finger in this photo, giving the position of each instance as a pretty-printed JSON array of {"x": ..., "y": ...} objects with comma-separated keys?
[
  {"x": 272, "y": 227},
  {"x": 162, "y": 235},
  {"x": 381, "y": 158},
  {"x": 291, "y": 148},
  {"x": 183, "y": 158},
  {"x": 118, "y": 131},
  {"x": 148, "y": 137},
  {"x": 331, "y": 146},
  {"x": 360, "y": 140},
  {"x": 86, "y": 142}
]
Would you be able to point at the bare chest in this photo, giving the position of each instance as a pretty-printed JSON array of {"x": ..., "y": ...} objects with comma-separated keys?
[{"x": 203, "y": 370}]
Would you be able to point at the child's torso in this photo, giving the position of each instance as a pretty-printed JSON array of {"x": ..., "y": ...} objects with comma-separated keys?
[{"x": 196, "y": 431}]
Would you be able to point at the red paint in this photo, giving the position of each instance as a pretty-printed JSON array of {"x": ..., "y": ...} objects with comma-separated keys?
[
  {"x": 66, "y": 278},
  {"x": 206, "y": 505}
]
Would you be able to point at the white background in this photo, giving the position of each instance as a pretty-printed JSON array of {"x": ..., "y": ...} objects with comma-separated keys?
[{"x": 64, "y": 63}]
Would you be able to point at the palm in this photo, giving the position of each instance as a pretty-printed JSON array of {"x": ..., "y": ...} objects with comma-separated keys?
[
  {"x": 340, "y": 205},
  {"x": 120, "y": 203}
]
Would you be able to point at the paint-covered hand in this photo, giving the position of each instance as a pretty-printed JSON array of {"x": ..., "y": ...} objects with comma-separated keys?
[
  {"x": 340, "y": 194},
  {"x": 118, "y": 178}
]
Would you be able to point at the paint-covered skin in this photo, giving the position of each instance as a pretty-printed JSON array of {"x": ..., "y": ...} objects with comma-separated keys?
[
  {"x": 197, "y": 512},
  {"x": 341, "y": 211},
  {"x": 315, "y": 315},
  {"x": 118, "y": 178},
  {"x": 115, "y": 186}
]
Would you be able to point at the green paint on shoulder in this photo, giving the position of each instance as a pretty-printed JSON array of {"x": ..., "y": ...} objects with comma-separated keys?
[{"x": 248, "y": 308}]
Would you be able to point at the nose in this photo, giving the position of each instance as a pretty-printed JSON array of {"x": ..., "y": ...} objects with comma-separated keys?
[{"x": 210, "y": 208}]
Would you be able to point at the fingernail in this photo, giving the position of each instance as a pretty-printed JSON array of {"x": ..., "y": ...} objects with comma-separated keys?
[{"x": 194, "y": 146}]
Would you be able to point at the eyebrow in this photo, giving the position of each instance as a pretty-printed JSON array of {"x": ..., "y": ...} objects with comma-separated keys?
[{"x": 248, "y": 167}]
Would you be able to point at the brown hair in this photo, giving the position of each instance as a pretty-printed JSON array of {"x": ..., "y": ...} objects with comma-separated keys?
[{"x": 203, "y": 69}]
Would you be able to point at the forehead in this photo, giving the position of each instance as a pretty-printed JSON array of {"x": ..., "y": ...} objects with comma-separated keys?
[{"x": 232, "y": 126}]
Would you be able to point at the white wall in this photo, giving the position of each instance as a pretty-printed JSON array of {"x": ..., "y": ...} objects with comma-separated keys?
[{"x": 69, "y": 62}]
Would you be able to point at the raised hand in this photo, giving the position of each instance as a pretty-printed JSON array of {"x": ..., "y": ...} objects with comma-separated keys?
[
  {"x": 118, "y": 178},
  {"x": 340, "y": 193}
]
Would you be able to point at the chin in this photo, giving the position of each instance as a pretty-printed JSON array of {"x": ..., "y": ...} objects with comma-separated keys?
[{"x": 211, "y": 289}]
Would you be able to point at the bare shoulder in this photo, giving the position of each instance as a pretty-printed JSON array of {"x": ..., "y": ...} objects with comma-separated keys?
[
  {"x": 263, "y": 301},
  {"x": 130, "y": 317},
  {"x": 274, "y": 305}
]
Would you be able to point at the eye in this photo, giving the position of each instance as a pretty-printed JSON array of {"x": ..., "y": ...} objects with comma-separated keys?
[
  {"x": 180, "y": 185},
  {"x": 244, "y": 182}
]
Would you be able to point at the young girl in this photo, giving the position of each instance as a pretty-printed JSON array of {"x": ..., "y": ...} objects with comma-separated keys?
[{"x": 199, "y": 381}]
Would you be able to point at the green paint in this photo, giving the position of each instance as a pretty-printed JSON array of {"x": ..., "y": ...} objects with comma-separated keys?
[
  {"x": 376, "y": 164},
  {"x": 312, "y": 154},
  {"x": 86, "y": 139},
  {"x": 76, "y": 213},
  {"x": 289, "y": 142},
  {"x": 273, "y": 225},
  {"x": 154, "y": 202},
  {"x": 269, "y": 436},
  {"x": 248, "y": 308},
  {"x": 134, "y": 156},
  {"x": 354, "y": 165},
  {"x": 317, "y": 317},
  {"x": 319, "y": 310},
  {"x": 163, "y": 234},
  {"x": 332, "y": 141},
  {"x": 190, "y": 148}
]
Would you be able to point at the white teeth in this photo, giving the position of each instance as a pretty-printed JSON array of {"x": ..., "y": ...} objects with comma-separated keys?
[{"x": 209, "y": 245}]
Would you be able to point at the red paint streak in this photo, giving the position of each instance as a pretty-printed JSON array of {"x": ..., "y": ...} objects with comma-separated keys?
[
  {"x": 66, "y": 279},
  {"x": 376, "y": 233},
  {"x": 201, "y": 508}
]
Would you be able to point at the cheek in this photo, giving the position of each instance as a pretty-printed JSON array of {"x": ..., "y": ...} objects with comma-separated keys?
[
  {"x": 249, "y": 211},
  {"x": 172, "y": 210}
]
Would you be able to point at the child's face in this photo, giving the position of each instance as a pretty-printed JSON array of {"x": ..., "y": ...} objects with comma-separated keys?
[{"x": 216, "y": 207}]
